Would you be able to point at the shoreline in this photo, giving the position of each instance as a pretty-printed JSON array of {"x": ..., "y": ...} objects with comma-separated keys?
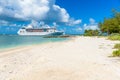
[
  {"x": 33, "y": 44},
  {"x": 84, "y": 58},
  {"x": 10, "y": 42},
  {"x": 22, "y": 47}
]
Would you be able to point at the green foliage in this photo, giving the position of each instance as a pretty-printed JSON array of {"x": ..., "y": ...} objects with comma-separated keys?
[
  {"x": 91, "y": 33},
  {"x": 111, "y": 25},
  {"x": 116, "y": 14},
  {"x": 114, "y": 37},
  {"x": 116, "y": 53},
  {"x": 117, "y": 46}
]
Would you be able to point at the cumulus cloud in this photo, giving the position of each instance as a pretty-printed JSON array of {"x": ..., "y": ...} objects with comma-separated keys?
[
  {"x": 92, "y": 25},
  {"x": 92, "y": 21},
  {"x": 35, "y": 24},
  {"x": 25, "y": 9},
  {"x": 1, "y": 10},
  {"x": 79, "y": 29},
  {"x": 4, "y": 23},
  {"x": 7, "y": 23},
  {"x": 38, "y": 10},
  {"x": 72, "y": 22}
]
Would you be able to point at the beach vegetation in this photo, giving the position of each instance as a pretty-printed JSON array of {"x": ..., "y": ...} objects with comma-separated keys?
[
  {"x": 107, "y": 27},
  {"x": 111, "y": 25},
  {"x": 91, "y": 33},
  {"x": 114, "y": 37},
  {"x": 117, "y": 46},
  {"x": 116, "y": 53}
]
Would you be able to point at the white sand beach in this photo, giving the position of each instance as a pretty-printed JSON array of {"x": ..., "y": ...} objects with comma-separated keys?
[{"x": 82, "y": 58}]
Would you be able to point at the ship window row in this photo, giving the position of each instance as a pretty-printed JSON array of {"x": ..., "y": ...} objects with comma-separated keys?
[
  {"x": 39, "y": 30},
  {"x": 36, "y": 30}
]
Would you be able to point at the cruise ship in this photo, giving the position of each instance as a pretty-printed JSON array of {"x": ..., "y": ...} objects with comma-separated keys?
[{"x": 43, "y": 31}]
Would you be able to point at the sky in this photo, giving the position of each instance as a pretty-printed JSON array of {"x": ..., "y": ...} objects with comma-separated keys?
[{"x": 72, "y": 16}]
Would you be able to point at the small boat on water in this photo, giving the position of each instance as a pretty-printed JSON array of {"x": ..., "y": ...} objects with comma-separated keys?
[{"x": 43, "y": 31}]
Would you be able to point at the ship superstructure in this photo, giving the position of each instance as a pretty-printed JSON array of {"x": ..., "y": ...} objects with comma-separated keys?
[{"x": 39, "y": 31}]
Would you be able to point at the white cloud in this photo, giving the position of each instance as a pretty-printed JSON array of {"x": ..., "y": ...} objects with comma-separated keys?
[
  {"x": 92, "y": 21},
  {"x": 55, "y": 24},
  {"x": 6, "y": 23},
  {"x": 61, "y": 13},
  {"x": 79, "y": 29},
  {"x": 13, "y": 25},
  {"x": 73, "y": 22},
  {"x": 38, "y": 10},
  {"x": 84, "y": 25},
  {"x": 1, "y": 10},
  {"x": 77, "y": 21},
  {"x": 92, "y": 25},
  {"x": 36, "y": 24},
  {"x": 3, "y": 22}
]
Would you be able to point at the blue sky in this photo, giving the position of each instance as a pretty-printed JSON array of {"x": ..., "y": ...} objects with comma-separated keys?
[
  {"x": 72, "y": 16},
  {"x": 85, "y": 9}
]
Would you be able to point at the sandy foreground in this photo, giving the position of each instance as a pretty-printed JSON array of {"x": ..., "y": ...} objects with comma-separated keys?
[{"x": 82, "y": 58}]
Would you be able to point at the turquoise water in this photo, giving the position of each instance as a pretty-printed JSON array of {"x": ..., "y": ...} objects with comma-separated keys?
[{"x": 14, "y": 41}]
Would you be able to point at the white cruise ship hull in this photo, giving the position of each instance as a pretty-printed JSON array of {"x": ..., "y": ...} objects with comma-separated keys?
[{"x": 41, "y": 33}]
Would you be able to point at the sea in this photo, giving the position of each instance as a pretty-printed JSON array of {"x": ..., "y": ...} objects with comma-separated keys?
[{"x": 12, "y": 41}]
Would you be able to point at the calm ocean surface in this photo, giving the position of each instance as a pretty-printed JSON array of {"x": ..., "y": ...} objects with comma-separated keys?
[{"x": 15, "y": 41}]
